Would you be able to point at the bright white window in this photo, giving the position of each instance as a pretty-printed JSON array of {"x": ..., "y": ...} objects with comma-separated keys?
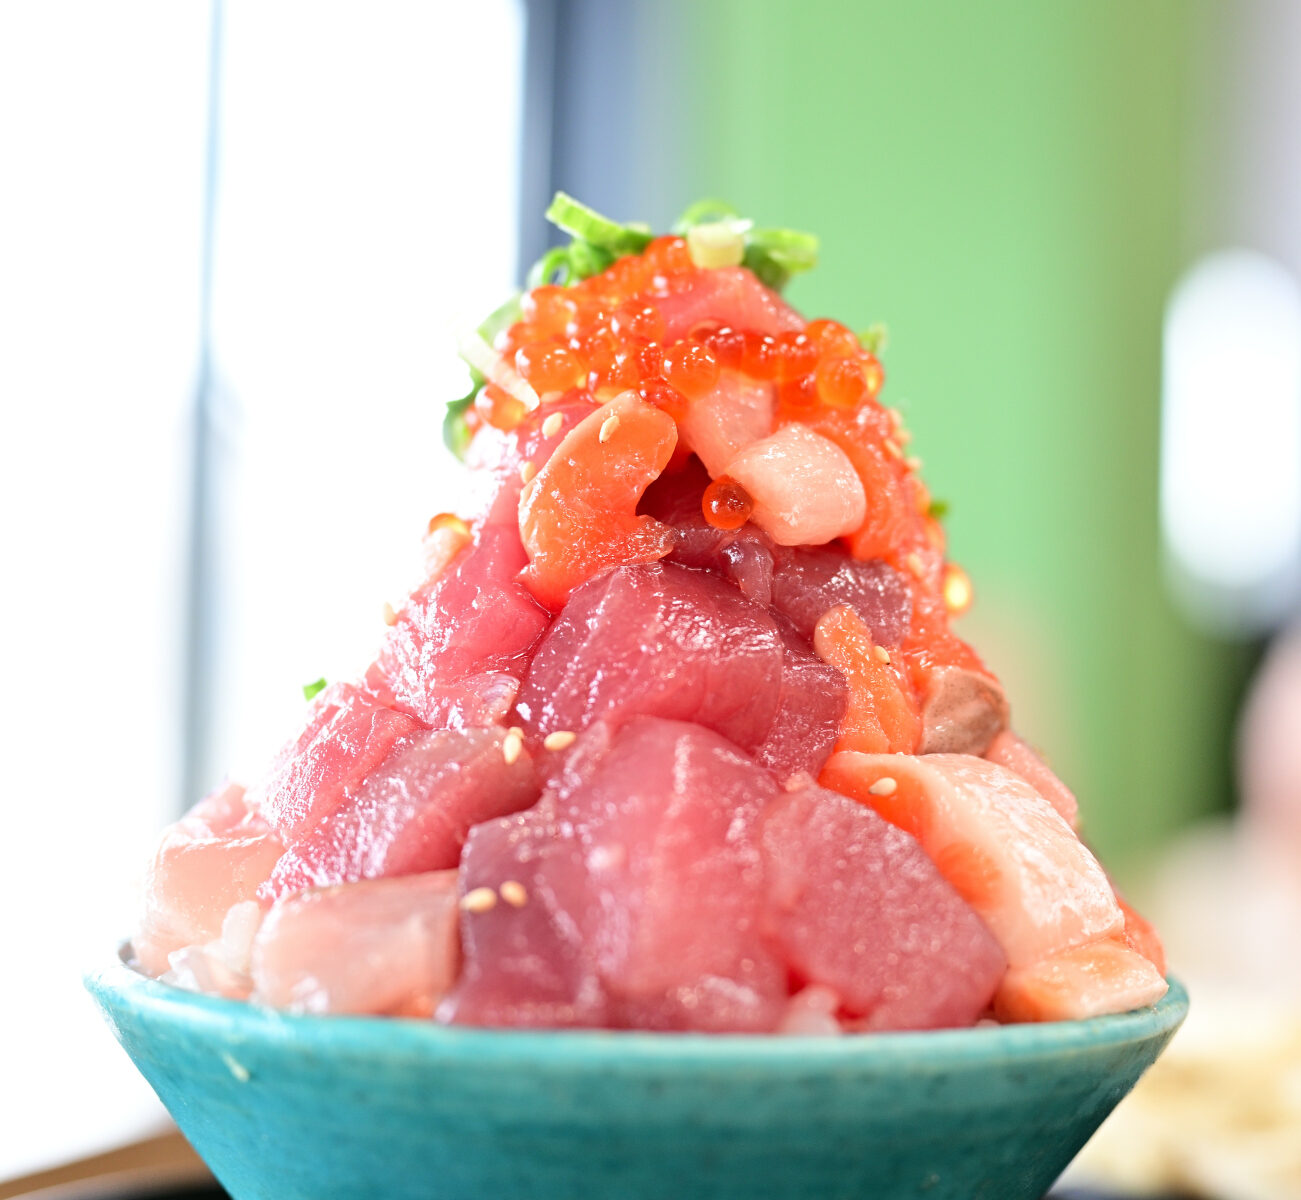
[
  {"x": 366, "y": 195},
  {"x": 367, "y": 202},
  {"x": 1231, "y": 441}
]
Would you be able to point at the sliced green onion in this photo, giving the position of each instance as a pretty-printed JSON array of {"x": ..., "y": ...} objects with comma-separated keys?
[
  {"x": 588, "y": 225},
  {"x": 713, "y": 244},
  {"x": 938, "y": 509},
  {"x": 587, "y": 259},
  {"x": 774, "y": 255},
  {"x": 875, "y": 338},
  {"x": 703, "y": 212},
  {"x": 456, "y": 430},
  {"x": 500, "y": 319},
  {"x": 476, "y": 351},
  {"x": 552, "y": 267},
  {"x": 311, "y": 690}
]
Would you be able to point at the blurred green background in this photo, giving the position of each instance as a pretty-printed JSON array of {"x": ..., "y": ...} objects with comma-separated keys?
[{"x": 1006, "y": 185}]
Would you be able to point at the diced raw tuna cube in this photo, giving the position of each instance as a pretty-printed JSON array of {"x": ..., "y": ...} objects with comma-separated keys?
[
  {"x": 855, "y": 905},
  {"x": 1091, "y": 980},
  {"x": 804, "y": 487},
  {"x": 1001, "y": 845},
  {"x": 744, "y": 556},
  {"x": 383, "y": 946},
  {"x": 199, "y": 872},
  {"x": 657, "y": 640},
  {"x": 809, "y": 582},
  {"x": 730, "y": 295},
  {"x": 525, "y": 963},
  {"x": 460, "y": 644},
  {"x": 1020, "y": 758},
  {"x": 631, "y": 892},
  {"x": 348, "y": 733},
  {"x": 810, "y": 707},
  {"x": 411, "y": 813}
]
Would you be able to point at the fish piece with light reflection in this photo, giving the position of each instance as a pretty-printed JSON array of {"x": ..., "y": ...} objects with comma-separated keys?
[{"x": 676, "y": 732}]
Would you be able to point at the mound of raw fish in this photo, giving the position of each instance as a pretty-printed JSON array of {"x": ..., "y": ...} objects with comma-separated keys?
[{"x": 675, "y": 732}]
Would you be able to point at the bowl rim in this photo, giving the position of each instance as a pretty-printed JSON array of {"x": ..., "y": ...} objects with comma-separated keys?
[{"x": 118, "y": 986}]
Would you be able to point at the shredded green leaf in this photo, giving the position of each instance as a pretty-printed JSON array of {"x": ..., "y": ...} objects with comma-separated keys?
[
  {"x": 311, "y": 690},
  {"x": 587, "y": 225},
  {"x": 703, "y": 212},
  {"x": 875, "y": 338},
  {"x": 774, "y": 255},
  {"x": 456, "y": 431},
  {"x": 938, "y": 510}
]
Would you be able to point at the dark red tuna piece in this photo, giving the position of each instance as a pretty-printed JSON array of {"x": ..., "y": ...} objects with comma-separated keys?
[
  {"x": 657, "y": 640},
  {"x": 412, "y": 812},
  {"x": 809, "y": 581},
  {"x": 744, "y": 556},
  {"x": 810, "y": 706},
  {"x": 348, "y": 733},
  {"x": 855, "y": 904},
  {"x": 459, "y": 646},
  {"x": 629, "y": 895}
]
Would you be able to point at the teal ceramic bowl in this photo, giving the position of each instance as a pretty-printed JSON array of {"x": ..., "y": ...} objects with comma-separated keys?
[{"x": 318, "y": 1108}]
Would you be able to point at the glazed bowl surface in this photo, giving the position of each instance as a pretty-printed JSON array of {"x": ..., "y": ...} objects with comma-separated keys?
[{"x": 326, "y": 1108}]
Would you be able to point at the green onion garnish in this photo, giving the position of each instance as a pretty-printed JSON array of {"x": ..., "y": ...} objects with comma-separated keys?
[
  {"x": 313, "y": 689},
  {"x": 774, "y": 255},
  {"x": 938, "y": 510},
  {"x": 587, "y": 225},
  {"x": 875, "y": 338}
]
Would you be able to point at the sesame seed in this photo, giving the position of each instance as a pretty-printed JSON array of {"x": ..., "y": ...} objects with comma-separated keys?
[
  {"x": 896, "y": 417},
  {"x": 551, "y": 426},
  {"x": 893, "y": 448},
  {"x": 514, "y": 893},
  {"x": 913, "y": 464},
  {"x": 608, "y": 427},
  {"x": 235, "y": 1067},
  {"x": 915, "y": 564},
  {"x": 885, "y": 786},
  {"x": 527, "y": 471},
  {"x": 512, "y": 746},
  {"x": 881, "y": 654},
  {"x": 903, "y": 436},
  {"x": 479, "y": 900},
  {"x": 562, "y": 739},
  {"x": 390, "y": 616}
]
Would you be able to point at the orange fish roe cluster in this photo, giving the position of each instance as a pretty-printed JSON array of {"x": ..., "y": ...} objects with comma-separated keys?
[{"x": 605, "y": 335}]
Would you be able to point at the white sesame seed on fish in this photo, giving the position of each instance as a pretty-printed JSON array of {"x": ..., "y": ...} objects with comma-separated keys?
[
  {"x": 479, "y": 900},
  {"x": 514, "y": 893}
]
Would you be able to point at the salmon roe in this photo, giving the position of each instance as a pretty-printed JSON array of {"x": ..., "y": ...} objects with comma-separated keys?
[
  {"x": 726, "y": 504},
  {"x": 607, "y": 334},
  {"x": 450, "y": 522},
  {"x": 499, "y": 408},
  {"x": 549, "y": 367},
  {"x": 691, "y": 368}
]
